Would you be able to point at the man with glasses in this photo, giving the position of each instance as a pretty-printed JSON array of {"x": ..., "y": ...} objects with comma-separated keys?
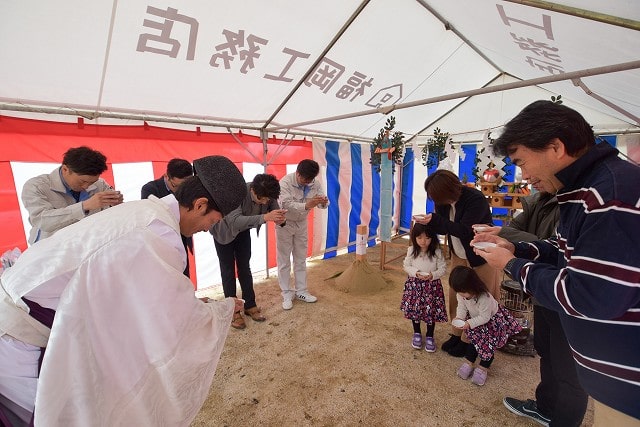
[
  {"x": 589, "y": 273},
  {"x": 299, "y": 194},
  {"x": 178, "y": 170}
]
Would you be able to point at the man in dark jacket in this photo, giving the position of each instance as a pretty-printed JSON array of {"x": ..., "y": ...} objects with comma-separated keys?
[
  {"x": 177, "y": 171},
  {"x": 590, "y": 273}
]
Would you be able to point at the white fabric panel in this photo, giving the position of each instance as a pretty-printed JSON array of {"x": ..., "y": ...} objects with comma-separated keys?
[
  {"x": 291, "y": 168},
  {"x": 130, "y": 177},
  {"x": 48, "y": 37},
  {"x": 478, "y": 113},
  {"x": 519, "y": 40},
  {"x": 344, "y": 199},
  {"x": 397, "y": 190},
  {"x": 367, "y": 191},
  {"x": 250, "y": 170},
  {"x": 426, "y": 70},
  {"x": 419, "y": 195},
  {"x": 207, "y": 266},
  {"x": 629, "y": 145},
  {"x": 22, "y": 172},
  {"x": 258, "y": 260}
]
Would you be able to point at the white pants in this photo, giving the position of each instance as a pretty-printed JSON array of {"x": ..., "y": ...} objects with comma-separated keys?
[{"x": 291, "y": 240}]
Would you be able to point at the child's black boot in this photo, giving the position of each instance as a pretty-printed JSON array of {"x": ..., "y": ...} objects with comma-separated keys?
[
  {"x": 459, "y": 350},
  {"x": 451, "y": 342}
]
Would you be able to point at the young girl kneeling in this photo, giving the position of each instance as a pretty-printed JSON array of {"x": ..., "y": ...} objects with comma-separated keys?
[
  {"x": 423, "y": 297},
  {"x": 487, "y": 324}
]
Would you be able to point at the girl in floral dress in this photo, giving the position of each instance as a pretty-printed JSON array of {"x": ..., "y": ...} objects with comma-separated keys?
[
  {"x": 423, "y": 297},
  {"x": 487, "y": 324}
]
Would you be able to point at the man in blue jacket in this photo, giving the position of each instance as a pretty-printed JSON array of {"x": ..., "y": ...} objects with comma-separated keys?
[{"x": 591, "y": 271}]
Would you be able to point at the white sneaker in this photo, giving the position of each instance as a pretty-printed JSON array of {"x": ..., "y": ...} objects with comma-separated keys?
[
  {"x": 306, "y": 297},
  {"x": 287, "y": 304}
]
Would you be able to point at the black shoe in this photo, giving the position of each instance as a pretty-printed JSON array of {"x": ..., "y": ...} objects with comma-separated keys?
[
  {"x": 527, "y": 409},
  {"x": 458, "y": 350},
  {"x": 451, "y": 342}
]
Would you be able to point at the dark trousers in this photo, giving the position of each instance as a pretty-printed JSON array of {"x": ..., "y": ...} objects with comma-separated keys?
[
  {"x": 237, "y": 253},
  {"x": 559, "y": 394}
]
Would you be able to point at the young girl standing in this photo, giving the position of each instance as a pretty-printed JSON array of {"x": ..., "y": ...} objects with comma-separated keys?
[
  {"x": 487, "y": 324},
  {"x": 423, "y": 297}
]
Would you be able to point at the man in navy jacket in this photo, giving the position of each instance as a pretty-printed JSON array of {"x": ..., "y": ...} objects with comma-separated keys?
[{"x": 590, "y": 273}]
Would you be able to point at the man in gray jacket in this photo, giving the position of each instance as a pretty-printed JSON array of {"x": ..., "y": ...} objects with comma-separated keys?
[
  {"x": 233, "y": 241},
  {"x": 69, "y": 193}
]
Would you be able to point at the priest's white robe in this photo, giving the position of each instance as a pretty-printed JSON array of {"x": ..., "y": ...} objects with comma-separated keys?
[{"x": 130, "y": 343}]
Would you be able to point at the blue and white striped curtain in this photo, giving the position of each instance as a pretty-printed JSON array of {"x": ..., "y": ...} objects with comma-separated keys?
[{"x": 353, "y": 188}]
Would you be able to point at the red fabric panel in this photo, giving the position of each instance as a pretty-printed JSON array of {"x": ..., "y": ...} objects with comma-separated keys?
[
  {"x": 159, "y": 169},
  {"x": 11, "y": 230},
  {"x": 192, "y": 269},
  {"x": 28, "y": 140},
  {"x": 42, "y": 141}
]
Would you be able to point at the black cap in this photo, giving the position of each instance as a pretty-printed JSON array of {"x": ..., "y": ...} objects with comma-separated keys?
[{"x": 223, "y": 180}]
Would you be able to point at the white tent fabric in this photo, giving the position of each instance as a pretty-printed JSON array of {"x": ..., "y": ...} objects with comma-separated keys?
[{"x": 291, "y": 66}]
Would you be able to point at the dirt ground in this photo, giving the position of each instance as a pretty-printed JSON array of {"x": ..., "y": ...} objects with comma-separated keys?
[{"x": 346, "y": 360}]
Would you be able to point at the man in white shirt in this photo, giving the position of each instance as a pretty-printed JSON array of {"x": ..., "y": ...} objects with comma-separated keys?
[
  {"x": 299, "y": 193},
  {"x": 130, "y": 343}
]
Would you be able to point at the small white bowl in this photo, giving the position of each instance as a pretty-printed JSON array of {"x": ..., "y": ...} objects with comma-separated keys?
[
  {"x": 419, "y": 217},
  {"x": 457, "y": 323},
  {"x": 483, "y": 245}
]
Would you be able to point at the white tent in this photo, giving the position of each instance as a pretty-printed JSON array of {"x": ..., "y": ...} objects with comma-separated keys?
[
  {"x": 321, "y": 68},
  {"x": 295, "y": 69}
]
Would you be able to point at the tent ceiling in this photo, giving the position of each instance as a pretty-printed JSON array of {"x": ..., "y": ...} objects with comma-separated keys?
[{"x": 257, "y": 64}]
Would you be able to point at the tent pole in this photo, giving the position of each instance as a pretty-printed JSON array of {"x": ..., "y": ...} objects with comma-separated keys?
[
  {"x": 263, "y": 138},
  {"x": 447, "y": 26},
  {"x": 632, "y": 65},
  {"x": 319, "y": 59},
  {"x": 580, "y": 13},
  {"x": 243, "y": 145},
  {"x": 581, "y": 85}
]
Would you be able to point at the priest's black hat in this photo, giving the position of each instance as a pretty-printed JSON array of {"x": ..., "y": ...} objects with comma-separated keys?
[{"x": 222, "y": 180}]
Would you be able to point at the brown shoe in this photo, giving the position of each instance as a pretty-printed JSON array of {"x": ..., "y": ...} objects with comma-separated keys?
[
  {"x": 238, "y": 321},
  {"x": 255, "y": 314}
]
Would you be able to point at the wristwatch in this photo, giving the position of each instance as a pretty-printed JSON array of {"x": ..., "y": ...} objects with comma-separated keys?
[{"x": 508, "y": 266}]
